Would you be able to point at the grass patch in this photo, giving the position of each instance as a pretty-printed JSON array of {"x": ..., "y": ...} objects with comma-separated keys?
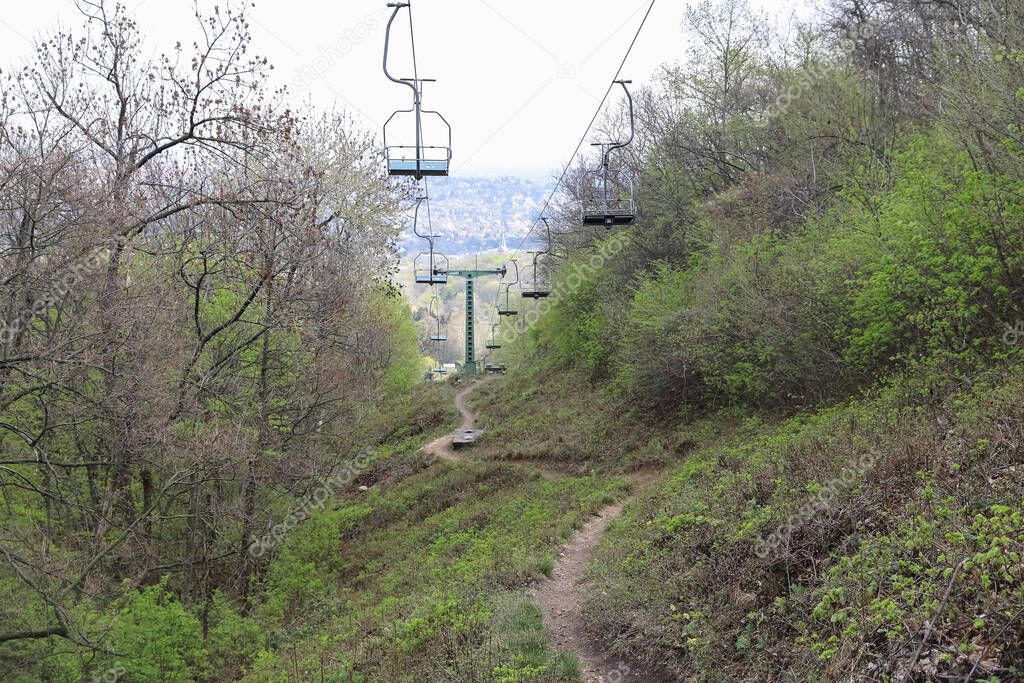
[
  {"x": 568, "y": 424},
  {"x": 422, "y": 586}
]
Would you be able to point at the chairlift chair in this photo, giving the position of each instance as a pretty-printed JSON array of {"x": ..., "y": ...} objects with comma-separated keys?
[
  {"x": 492, "y": 344},
  {"x": 428, "y": 267},
  {"x": 508, "y": 311},
  {"x": 537, "y": 291},
  {"x": 608, "y": 197},
  {"x": 418, "y": 160},
  {"x": 441, "y": 335},
  {"x": 440, "y": 369}
]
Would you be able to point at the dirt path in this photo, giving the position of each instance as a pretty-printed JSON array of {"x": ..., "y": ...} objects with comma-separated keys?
[
  {"x": 468, "y": 419},
  {"x": 441, "y": 448},
  {"x": 559, "y": 598},
  {"x": 559, "y": 601}
]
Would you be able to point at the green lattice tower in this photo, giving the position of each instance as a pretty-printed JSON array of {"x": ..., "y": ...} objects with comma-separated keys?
[{"x": 470, "y": 365}]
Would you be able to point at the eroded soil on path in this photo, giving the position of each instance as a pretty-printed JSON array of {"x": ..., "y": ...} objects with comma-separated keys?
[
  {"x": 441, "y": 448},
  {"x": 560, "y": 595}
]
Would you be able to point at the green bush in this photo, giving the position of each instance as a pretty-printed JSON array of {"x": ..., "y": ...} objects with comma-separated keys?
[{"x": 156, "y": 638}]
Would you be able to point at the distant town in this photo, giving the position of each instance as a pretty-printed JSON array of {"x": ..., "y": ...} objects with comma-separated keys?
[{"x": 473, "y": 215}]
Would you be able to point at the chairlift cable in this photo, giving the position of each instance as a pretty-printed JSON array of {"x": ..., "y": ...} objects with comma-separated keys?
[
  {"x": 412, "y": 39},
  {"x": 583, "y": 138},
  {"x": 419, "y": 87},
  {"x": 430, "y": 222}
]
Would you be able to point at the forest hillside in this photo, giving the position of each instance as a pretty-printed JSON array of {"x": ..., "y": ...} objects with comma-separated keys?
[{"x": 768, "y": 429}]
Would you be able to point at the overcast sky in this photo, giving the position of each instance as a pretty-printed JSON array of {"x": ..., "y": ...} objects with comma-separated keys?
[{"x": 517, "y": 80}]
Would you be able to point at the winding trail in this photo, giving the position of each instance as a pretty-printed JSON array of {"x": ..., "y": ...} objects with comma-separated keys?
[
  {"x": 559, "y": 600},
  {"x": 560, "y": 596},
  {"x": 441, "y": 448}
]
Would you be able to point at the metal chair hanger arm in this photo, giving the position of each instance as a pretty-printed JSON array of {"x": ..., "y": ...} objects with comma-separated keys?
[
  {"x": 398, "y": 6},
  {"x": 632, "y": 124}
]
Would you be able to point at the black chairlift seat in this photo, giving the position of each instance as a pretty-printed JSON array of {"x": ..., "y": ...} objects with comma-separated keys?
[
  {"x": 438, "y": 337},
  {"x": 507, "y": 313},
  {"x": 611, "y": 212},
  {"x": 536, "y": 291},
  {"x": 609, "y": 216},
  {"x": 608, "y": 195},
  {"x": 492, "y": 343}
]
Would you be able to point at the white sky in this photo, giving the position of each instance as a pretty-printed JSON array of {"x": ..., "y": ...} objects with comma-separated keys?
[{"x": 517, "y": 80}]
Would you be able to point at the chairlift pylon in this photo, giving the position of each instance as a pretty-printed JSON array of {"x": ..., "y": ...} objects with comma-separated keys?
[
  {"x": 607, "y": 198},
  {"x": 418, "y": 160}
]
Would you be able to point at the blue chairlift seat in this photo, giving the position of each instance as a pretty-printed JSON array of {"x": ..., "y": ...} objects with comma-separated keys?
[
  {"x": 421, "y": 159},
  {"x": 428, "y": 167},
  {"x": 431, "y": 278},
  {"x": 434, "y": 160},
  {"x": 434, "y": 271}
]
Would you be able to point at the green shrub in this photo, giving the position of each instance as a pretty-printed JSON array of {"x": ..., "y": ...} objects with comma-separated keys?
[{"x": 156, "y": 638}]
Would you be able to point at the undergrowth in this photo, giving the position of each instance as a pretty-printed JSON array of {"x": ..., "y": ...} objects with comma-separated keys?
[{"x": 836, "y": 545}]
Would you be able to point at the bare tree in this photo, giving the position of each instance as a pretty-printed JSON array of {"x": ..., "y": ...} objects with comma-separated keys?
[{"x": 188, "y": 270}]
